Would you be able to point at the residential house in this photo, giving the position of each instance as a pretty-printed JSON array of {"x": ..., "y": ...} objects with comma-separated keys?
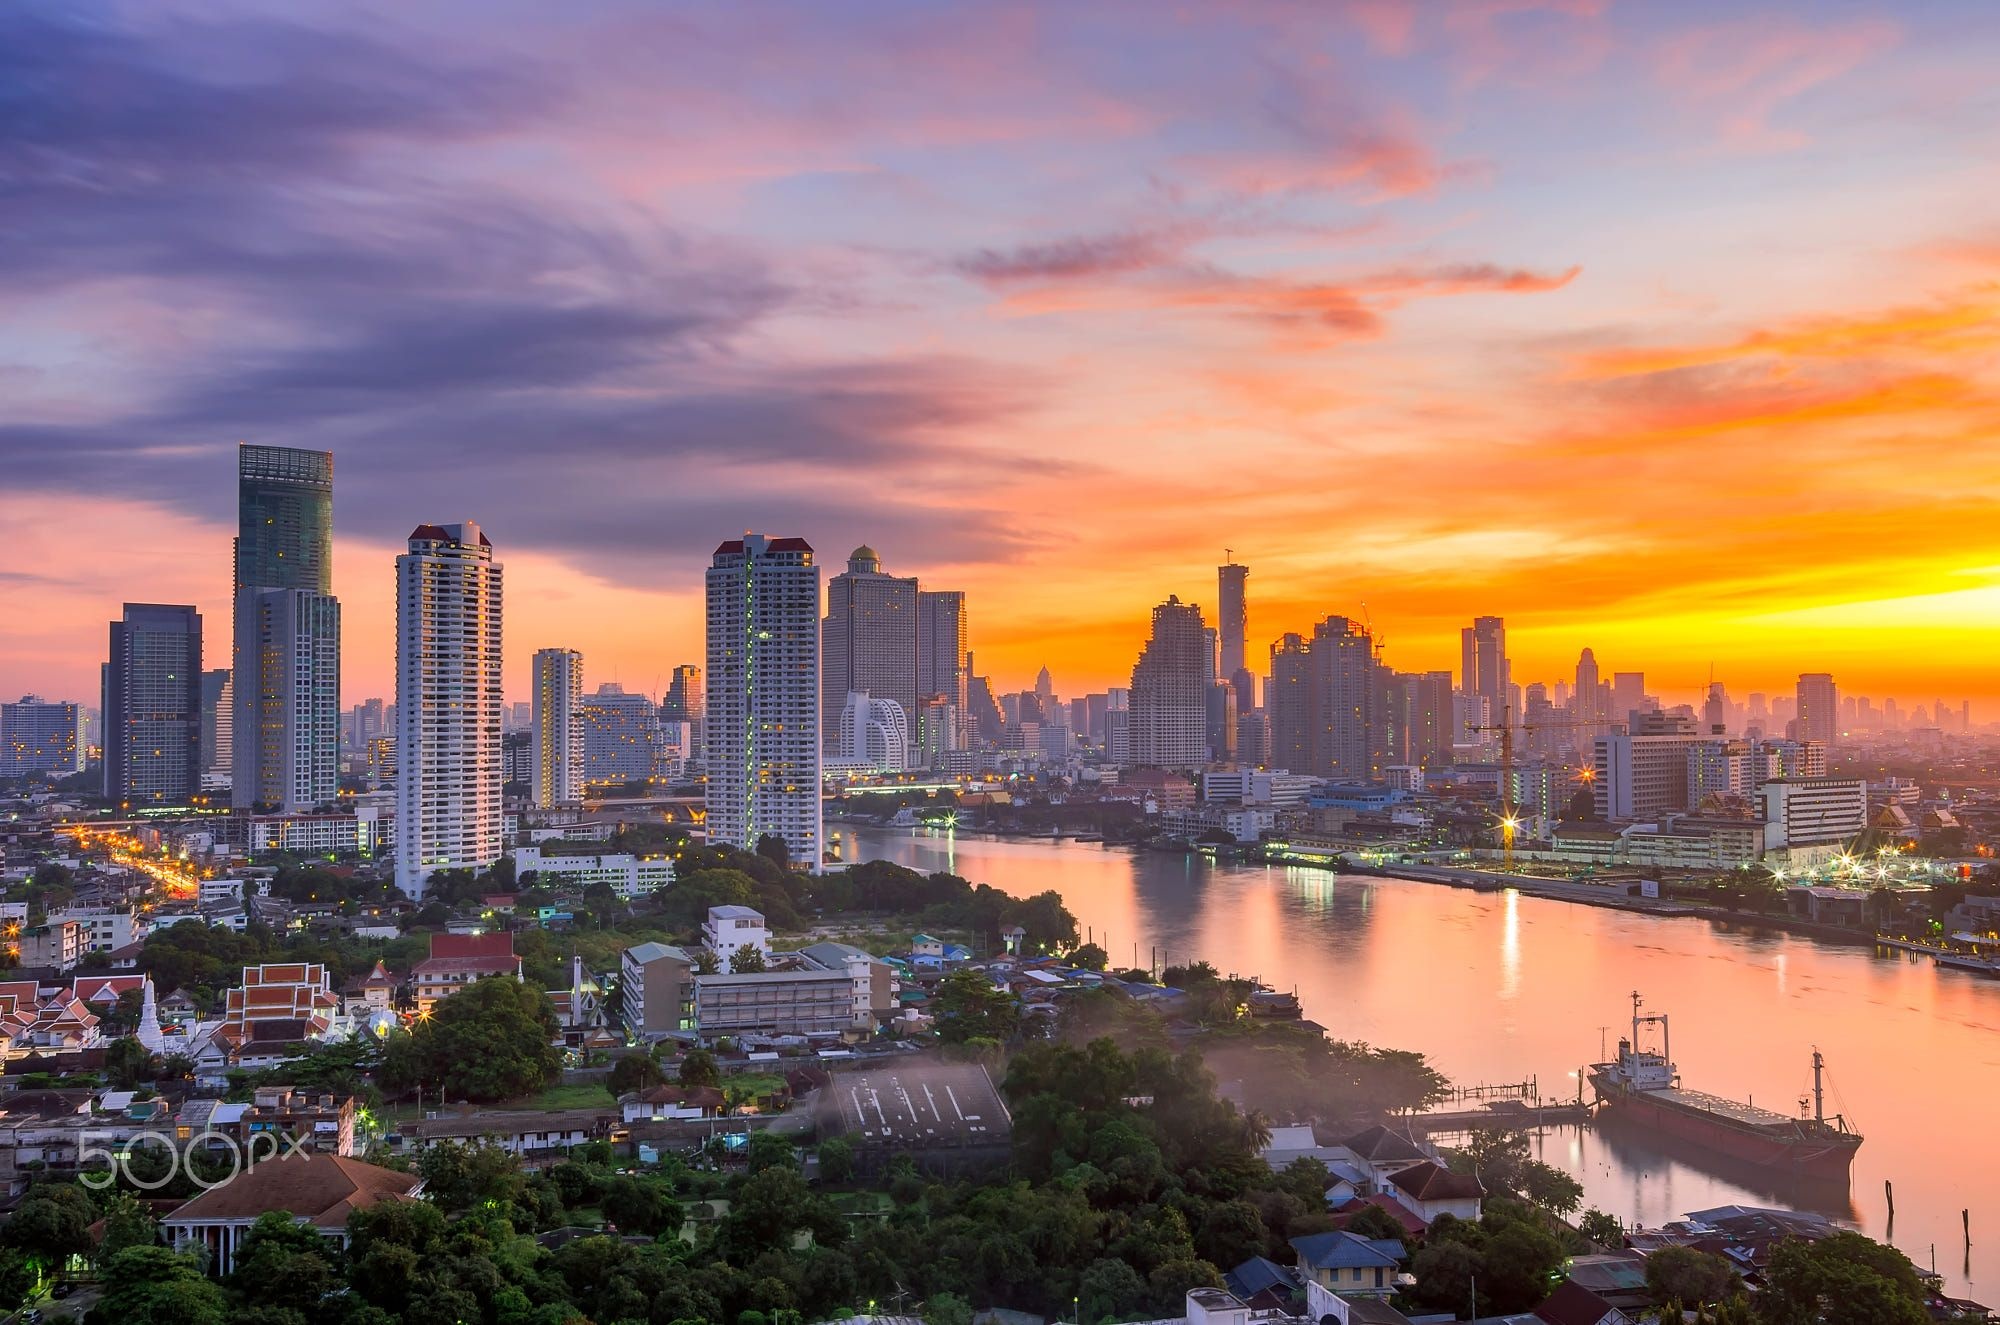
[
  {"x": 1348, "y": 1265},
  {"x": 519, "y": 1133},
  {"x": 318, "y": 1191},
  {"x": 373, "y": 992},
  {"x": 1573, "y": 1304},
  {"x": 457, "y": 960},
  {"x": 1428, "y": 1190},
  {"x": 668, "y": 1103}
]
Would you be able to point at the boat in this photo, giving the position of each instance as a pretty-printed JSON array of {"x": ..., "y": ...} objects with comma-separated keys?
[{"x": 1644, "y": 1088}]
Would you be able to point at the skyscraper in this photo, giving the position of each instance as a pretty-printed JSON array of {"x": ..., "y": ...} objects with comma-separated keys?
[
  {"x": 1342, "y": 692},
  {"x": 683, "y": 703},
  {"x": 1288, "y": 701},
  {"x": 557, "y": 731},
  {"x": 218, "y": 721},
  {"x": 869, "y": 641},
  {"x": 152, "y": 706},
  {"x": 1588, "y": 703},
  {"x": 285, "y": 672},
  {"x": 1233, "y": 625},
  {"x": 1484, "y": 670},
  {"x": 448, "y": 699},
  {"x": 1169, "y": 722},
  {"x": 288, "y": 759},
  {"x": 762, "y": 712},
  {"x": 1819, "y": 707},
  {"x": 942, "y": 669}
]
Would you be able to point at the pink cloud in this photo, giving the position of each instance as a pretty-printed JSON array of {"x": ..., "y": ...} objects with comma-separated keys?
[{"x": 1749, "y": 68}]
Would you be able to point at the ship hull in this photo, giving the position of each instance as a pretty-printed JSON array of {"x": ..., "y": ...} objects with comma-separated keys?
[{"x": 1804, "y": 1155}]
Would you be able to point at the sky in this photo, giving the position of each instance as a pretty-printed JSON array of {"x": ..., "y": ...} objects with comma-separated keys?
[{"x": 1665, "y": 329}]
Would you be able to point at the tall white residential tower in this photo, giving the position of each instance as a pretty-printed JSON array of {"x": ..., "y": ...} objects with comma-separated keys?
[{"x": 447, "y": 704}]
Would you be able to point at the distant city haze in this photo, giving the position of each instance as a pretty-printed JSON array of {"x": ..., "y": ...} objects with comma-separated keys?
[{"x": 1665, "y": 330}]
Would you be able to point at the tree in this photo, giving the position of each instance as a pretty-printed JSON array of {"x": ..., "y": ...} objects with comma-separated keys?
[
  {"x": 968, "y": 1007},
  {"x": 1090, "y": 956},
  {"x": 1374, "y": 1222},
  {"x": 1603, "y": 1229},
  {"x": 768, "y": 1149},
  {"x": 635, "y": 1072},
  {"x": 772, "y": 848},
  {"x": 698, "y": 1068},
  {"x": 640, "y": 1205},
  {"x": 1230, "y": 1233},
  {"x": 283, "y": 1265},
  {"x": 458, "y": 1176},
  {"x": 127, "y": 1223},
  {"x": 492, "y": 1040},
  {"x": 127, "y": 1063},
  {"x": 1690, "y": 1277},
  {"x": 154, "y": 1286},
  {"x": 1845, "y": 1279},
  {"x": 947, "y": 1309},
  {"x": 51, "y": 1225},
  {"x": 746, "y": 960},
  {"x": 836, "y": 1160}
]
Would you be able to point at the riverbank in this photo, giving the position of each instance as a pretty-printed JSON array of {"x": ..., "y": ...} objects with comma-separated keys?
[{"x": 1591, "y": 894}]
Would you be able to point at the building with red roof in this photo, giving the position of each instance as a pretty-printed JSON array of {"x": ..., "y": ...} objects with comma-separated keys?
[{"x": 457, "y": 960}]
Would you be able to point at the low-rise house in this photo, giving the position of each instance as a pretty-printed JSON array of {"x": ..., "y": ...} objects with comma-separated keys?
[
  {"x": 1428, "y": 1190},
  {"x": 670, "y": 1103},
  {"x": 1573, "y": 1304},
  {"x": 1380, "y": 1153},
  {"x": 519, "y": 1133},
  {"x": 318, "y": 1191},
  {"x": 1348, "y": 1265}
]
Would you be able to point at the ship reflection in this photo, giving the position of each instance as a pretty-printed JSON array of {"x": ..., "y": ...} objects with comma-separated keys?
[{"x": 1639, "y": 1149}]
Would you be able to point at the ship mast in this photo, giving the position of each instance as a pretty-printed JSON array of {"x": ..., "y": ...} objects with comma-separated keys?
[{"x": 1819, "y": 1090}]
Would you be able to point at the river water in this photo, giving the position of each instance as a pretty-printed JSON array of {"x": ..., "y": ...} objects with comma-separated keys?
[{"x": 1496, "y": 987}]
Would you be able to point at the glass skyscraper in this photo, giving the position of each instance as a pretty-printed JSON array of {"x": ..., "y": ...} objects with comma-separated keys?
[{"x": 285, "y": 682}]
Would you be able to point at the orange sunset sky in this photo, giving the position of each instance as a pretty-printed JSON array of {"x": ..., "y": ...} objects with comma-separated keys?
[{"x": 1671, "y": 330}]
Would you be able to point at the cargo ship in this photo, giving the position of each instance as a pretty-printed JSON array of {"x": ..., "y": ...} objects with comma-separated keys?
[{"x": 1644, "y": 1088}]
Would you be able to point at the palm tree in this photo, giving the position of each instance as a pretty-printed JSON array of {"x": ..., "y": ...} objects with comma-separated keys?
[{"x": 1256, "y": 1130}]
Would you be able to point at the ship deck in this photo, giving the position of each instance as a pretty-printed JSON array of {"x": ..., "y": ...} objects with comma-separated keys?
[{"x": 1735, "y": 1110}]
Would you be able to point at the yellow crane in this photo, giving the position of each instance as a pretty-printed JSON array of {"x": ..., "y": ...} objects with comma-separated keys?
[{"x": 1510, "y": 820}]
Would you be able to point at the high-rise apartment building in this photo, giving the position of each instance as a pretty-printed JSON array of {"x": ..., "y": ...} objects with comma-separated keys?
[
  {"x": 1288, "y": 703},
  {"x": 621, "y": 736},
  {"x": 152, "y": 706},
  {"x": 869, "y": 642},
  {"x": 39, "y": 737},
  {"x": 556, "y": 728},
  {"x": 1484, "y": 668},
  {"x": 285, "y": 671},
  {"x": 943, "y": 670},
  {"x": 1342, "y": 700},
  {"x": 762, "y": 714},
  {"x": 1431, "y": 733},
  {"x": 1819, "y": 708},
  {"x": 1643, "y": 773},
  {"x": 1169, "y": 723},
  {"x": 448, "y": 700}
]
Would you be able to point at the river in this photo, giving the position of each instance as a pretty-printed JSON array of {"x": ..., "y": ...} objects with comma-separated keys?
[{"x": 1495, "y": 987}]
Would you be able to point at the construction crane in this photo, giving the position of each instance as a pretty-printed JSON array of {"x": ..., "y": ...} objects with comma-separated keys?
[{"x": 1510, "y": 820}]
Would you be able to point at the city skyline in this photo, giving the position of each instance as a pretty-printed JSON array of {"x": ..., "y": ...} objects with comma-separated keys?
[{"x": 1579, "y": 314}]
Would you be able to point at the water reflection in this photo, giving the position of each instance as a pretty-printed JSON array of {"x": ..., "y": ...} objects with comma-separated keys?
[{"x": 1913, "y": 1052}]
